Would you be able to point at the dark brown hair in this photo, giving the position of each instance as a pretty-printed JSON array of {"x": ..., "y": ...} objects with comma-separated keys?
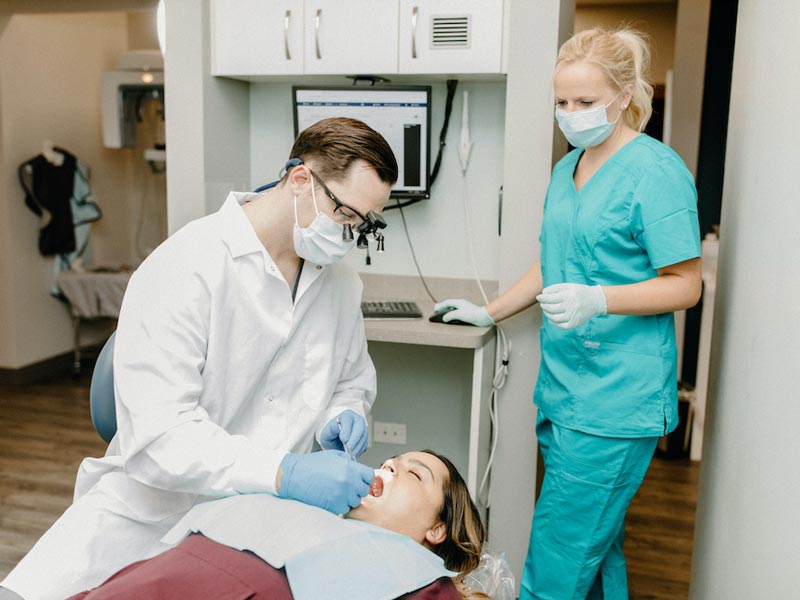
[
  {"x": 462, "y": 548},
  {"x": 334, "y": 144}
]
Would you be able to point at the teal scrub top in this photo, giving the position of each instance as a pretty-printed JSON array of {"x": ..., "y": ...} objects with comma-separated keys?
[{"x": 615, "y": 375}]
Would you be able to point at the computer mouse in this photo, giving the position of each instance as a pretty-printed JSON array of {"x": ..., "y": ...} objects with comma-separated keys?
[{"x": 438, "y": 317}]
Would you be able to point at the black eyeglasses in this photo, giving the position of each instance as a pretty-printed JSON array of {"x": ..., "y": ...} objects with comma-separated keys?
[{"x": 371, "y": 223}]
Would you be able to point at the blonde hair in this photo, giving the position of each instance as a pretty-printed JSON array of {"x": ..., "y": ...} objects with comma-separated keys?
[{"x": 624, "y": 56}]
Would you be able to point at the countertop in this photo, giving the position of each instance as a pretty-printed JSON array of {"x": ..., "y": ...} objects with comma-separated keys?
[{"x": 421, "y": 331}]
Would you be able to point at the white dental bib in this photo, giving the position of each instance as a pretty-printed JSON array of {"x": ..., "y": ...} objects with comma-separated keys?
[{"x": 325, "y": 556}]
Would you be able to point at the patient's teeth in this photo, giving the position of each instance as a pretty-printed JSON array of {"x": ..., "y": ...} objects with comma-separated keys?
[{"x": 376, "y": 487}]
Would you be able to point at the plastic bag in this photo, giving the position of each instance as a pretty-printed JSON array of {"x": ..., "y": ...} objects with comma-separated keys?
[{"x": 493, "y": 576}]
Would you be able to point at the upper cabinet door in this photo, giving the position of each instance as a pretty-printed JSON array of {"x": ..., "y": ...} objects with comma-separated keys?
[
  {"x": 257, "y": 37},
  {"x": 352, "y": 37},
  {"x": 451, "y": 36}
]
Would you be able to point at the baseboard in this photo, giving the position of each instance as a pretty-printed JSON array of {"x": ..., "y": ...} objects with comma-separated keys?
[{"x": 56, "y": 366}]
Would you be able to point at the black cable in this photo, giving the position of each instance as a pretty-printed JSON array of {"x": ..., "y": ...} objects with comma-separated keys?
[
  {"x": 402, "y": 205},
  {"x": 413, "y": 254},
  {"x": 452, "y": 84}
]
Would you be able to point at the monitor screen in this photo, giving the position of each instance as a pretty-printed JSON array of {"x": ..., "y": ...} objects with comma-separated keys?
[{"x": 401, "y": 114}]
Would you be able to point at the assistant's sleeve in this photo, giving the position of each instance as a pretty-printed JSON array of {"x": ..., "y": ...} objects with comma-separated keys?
[
  {"x": 356, "y": 388},
  {"x": 166, "y": 438},
  {"x": 664, "y": 214}
]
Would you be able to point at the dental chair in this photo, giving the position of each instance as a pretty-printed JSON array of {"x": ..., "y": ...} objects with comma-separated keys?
[{"x": 101, "y": 392}]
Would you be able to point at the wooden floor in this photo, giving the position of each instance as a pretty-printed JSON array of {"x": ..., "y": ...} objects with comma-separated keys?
[
  {"x": 45, "y": 431},
  {"x": 660, "y": 531}
]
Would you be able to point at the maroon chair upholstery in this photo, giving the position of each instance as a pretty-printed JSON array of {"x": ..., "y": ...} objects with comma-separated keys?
[{"x": 201, "y": 569}]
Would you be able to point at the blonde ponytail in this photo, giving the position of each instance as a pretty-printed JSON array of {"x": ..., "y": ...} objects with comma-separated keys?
[{"x": 624, "y": 56}]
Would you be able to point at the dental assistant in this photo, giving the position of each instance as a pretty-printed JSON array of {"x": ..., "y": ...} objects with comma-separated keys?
[
  {"x": 240, "y": 341},
  {"x": 620, "y": 248}
]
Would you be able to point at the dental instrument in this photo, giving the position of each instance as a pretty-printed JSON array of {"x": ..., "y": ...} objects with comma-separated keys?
[{"x": 344, "y": 445}]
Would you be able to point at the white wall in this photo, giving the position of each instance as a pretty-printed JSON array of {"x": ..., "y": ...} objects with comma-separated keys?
[
  {"x": 142, "y": 30},
  {"x": 50, "y": 66},
  {"x": 208, "y": 149},
  {"x": 747, "y": 534},
  {"x": 6, "y": 248}
]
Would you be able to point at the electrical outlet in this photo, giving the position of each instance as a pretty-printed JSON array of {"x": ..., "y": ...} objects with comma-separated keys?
[{"x": 389, "y": 433}]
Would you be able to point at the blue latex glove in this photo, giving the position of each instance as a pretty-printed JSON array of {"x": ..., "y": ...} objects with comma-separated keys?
[
  {"x": 568, "y": 305},
  {"x": 466, "y": 311},
  {"x": 328, "y": 479},
  {"x": 353, "y": 433}
]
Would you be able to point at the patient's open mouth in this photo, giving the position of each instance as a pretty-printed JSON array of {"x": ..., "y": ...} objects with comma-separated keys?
[{"x": 376, "y": 487}]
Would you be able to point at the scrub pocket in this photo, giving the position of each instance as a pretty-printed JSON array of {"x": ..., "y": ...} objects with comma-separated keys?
[{"x": 621, "y": 367}]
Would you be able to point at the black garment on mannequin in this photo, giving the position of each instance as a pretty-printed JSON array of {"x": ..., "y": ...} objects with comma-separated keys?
[{"x": 48, "y": 191}]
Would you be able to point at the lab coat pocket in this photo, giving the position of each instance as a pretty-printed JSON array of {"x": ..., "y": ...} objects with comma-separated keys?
[{"x": 141, "y": 502}]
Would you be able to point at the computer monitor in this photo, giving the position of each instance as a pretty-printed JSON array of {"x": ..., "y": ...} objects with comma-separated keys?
[{"x": 401, "y": 114}]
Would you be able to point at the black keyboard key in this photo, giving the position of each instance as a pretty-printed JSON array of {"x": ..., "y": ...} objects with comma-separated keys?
[{"x": 390, "y": 309}]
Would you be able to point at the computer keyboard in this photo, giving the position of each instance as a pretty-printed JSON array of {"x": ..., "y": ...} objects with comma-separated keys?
[{"x": 390, "y": 310}]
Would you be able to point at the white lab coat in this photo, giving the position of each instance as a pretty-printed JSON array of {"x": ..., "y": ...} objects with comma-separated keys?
[{"x": 217, "y": 376}]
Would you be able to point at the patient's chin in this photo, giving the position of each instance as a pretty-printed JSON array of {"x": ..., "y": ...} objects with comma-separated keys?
[
  {"x": 365, "y": 511},
  {"x": 368, "y": 502},
  {"x": 359, "y": 513}
]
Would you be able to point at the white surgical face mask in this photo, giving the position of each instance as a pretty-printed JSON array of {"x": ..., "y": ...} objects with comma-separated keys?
[
  {"x": 321, "y": 242},
  {"x": 586, "y": 128}
]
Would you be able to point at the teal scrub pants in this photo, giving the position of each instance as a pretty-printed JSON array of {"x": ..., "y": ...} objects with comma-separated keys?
[{"x": 575, "y": 550}]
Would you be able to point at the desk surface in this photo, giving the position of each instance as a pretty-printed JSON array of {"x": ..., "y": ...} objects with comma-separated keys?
[
  {"x": 421, "y": 331},
  {"x": 96, "y": 294}
]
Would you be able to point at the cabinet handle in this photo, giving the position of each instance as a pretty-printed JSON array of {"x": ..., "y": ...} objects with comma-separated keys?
[
  {"x": 286, "y": 20},
  {"x": 317, "y": 19},
  {"x": 414, "y": 32}
]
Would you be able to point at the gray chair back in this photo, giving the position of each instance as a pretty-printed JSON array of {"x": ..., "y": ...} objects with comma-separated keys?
[{"x": 101, "y": 392}]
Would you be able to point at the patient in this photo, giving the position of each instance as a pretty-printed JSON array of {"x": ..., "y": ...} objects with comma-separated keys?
[{"x": 420, "y": 495}]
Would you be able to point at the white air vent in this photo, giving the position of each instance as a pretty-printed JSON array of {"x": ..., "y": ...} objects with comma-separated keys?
[{"x": 450, "y": 31}]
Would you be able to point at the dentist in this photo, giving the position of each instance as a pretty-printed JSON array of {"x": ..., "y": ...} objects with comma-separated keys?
[
  {"x": 620, "y": 248},
  {"x": 240, "y": 341}
]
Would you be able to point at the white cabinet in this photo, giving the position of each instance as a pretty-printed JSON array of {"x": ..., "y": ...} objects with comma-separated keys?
[
  {"x": 252, "y": 38},
  {"x": 257, "y": 37},
  {"x": 351, "y": 37},
  {"x": 451, "y": 36}
]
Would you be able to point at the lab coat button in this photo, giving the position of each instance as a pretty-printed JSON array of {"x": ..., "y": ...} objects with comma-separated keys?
[
  {"x": 270, "y": 398},
  {"x": 319, "y": 267}
]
